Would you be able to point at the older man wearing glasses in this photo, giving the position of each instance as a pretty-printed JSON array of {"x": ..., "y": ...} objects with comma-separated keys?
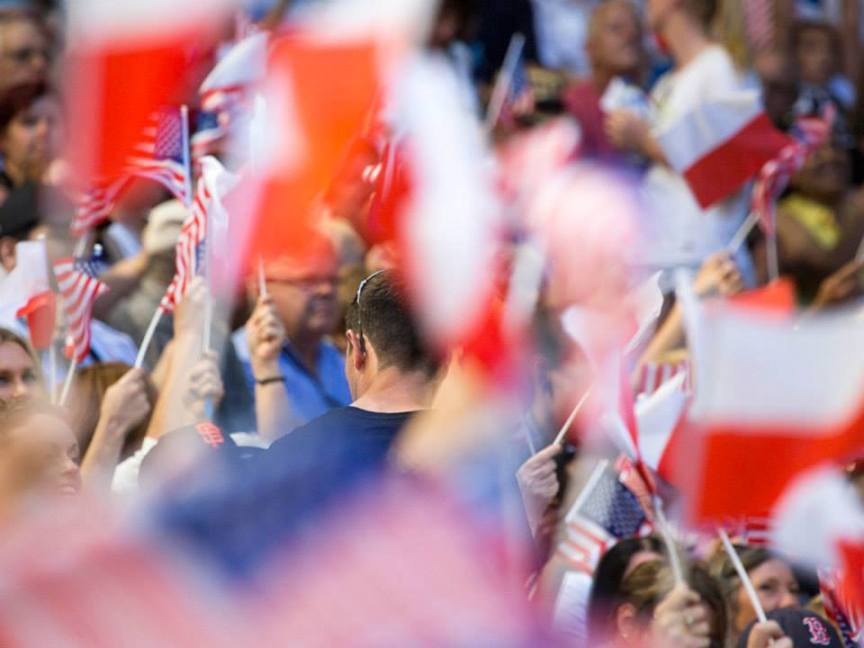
[{"x": 296, "y": 373}]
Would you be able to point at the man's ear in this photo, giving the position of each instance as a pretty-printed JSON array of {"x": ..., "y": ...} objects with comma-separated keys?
[
  {"x": 354, "y": 350},
  {"x": 7, "y": 253}
]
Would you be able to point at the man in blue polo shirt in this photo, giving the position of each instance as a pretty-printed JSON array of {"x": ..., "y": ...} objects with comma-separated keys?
[{"x": 283, "y": 348}]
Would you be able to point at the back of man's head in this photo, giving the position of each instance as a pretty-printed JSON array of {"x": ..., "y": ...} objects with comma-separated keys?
[{"x": 380, "y": 316}]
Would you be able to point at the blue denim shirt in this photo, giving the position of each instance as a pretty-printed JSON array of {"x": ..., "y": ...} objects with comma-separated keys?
[{"x": 310, "y": 395}]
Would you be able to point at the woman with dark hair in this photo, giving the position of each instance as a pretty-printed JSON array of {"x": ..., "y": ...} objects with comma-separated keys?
[
  {"x": 29, "y": 119},
  {"x": 616, "y": 565},
  {"x": 772, "y": 578}
]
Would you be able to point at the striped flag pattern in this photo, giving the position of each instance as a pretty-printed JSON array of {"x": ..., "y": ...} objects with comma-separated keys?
[
  {"x": 759, "y": 23},
  {"x": 95, "y": 206},
  {"x": 810, "y": 133},
  {"x": 190, "y": 247},
  {"x": 605, "y": 512},
  {"x": 653, "y": 374},
  {"x": 78, "y": 290},
  {"x": 850, "y": 625},
  {"x": 160, "y": 155}
]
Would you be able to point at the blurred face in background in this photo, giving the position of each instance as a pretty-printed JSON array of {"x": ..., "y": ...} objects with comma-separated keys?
[
  {"x": 816, "y": 55},
  {"x": 825, "y": 176},
  {"x": 43, "y": 448},
  {"x": 31, "y": 140},
  {"x": 776, "y": 586},
  {"x": 24, "y": 53},
  {"x": 305, "y": 295},
  {"x": 615, "y": 38},
  {"x": 18, "y": 375}
]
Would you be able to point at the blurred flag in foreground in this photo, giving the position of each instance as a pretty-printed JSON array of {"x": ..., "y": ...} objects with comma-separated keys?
[
  {"x": 160, "y": 154},
  {"x": 307, "y": 131},
  {"x": 773, "y": 399},
  {"x": 721, "y": 145},
  {"x": 232, "y": 79},
  {"x": 126, "y": 59},
  {"x": 448, "y": 226}
]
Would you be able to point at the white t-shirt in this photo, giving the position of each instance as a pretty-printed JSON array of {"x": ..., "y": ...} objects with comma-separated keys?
[{"x": 678, "y": 233}]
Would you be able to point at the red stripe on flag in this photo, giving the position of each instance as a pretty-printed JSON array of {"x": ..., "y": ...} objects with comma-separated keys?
[
  {"x": 725, "y": 169},
  {"x": 744, "y": 469}
]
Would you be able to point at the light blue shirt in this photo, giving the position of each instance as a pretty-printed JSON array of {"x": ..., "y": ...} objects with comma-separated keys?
[{"x": 309, "y": 395}]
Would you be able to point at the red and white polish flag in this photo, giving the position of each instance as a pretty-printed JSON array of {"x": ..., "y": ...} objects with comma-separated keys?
[
  {"x": 773, "y": 400},
  {"x": 126, "y": 59},
  {"x": 27, "y": 285},
  {"x": 721, "y": 145}
]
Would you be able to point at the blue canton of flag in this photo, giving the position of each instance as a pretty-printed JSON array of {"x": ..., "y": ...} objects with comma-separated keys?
[
  {"x": 614, "y": 507},
  {"x": 160, "y": 156},
  {"x": 605, "y": 511}
]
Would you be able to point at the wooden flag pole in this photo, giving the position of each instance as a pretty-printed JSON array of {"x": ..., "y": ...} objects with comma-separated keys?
[
  {"x": 504, "y": 81},
  {"x": 262, "y": 280},
  {"x": 666, "y": 533},
  {"x": 742, "y": 575},
  {"x": 67, "y": 383},
  {"x": 743, "y": 232},
  {"x": 148, "y": 337},
  {"x": 559, "y": 438}
]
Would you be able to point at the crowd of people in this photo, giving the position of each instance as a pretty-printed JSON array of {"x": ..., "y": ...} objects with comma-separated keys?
[{"x": 321, "y": 389}]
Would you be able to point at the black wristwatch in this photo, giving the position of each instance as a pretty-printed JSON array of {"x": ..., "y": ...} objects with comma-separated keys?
[{"x": 271, "y": 379}]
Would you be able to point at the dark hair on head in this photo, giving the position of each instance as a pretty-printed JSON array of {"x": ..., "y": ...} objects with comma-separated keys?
[
  {"x": 703, "y": 10},
  {"x": 608, "y": 577},
  {"x": 799, "y": 27},
  {"x": 380, "y": 314},
  {"x": 20, "y": 97}
]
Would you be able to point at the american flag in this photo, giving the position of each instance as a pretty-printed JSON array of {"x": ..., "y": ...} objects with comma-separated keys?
[
  {"x": 754, "y": 530},
  {"x": 850, "y": 625},
  {"x": 190, "y": 247},
  {"x": 605, "y": 512},
  {"x": 79, "y": 288},
  {"x": 653, "y": 374},
  {"x": 810, "y": 133},
  {"x": 208, "y": 133},
  {"x": 95, "y": 206},
  {"x": 160, "y": 156}
]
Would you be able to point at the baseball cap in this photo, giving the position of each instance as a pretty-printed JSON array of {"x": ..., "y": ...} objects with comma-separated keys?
[
  {"x": 163, "y": 226},
  {"x": 803, "y": 627}
]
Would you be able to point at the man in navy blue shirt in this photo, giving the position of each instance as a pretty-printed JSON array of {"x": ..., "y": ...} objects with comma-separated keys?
[
  {"x": 326, "y": 462},
  {"x": 391, "y": 375}
]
